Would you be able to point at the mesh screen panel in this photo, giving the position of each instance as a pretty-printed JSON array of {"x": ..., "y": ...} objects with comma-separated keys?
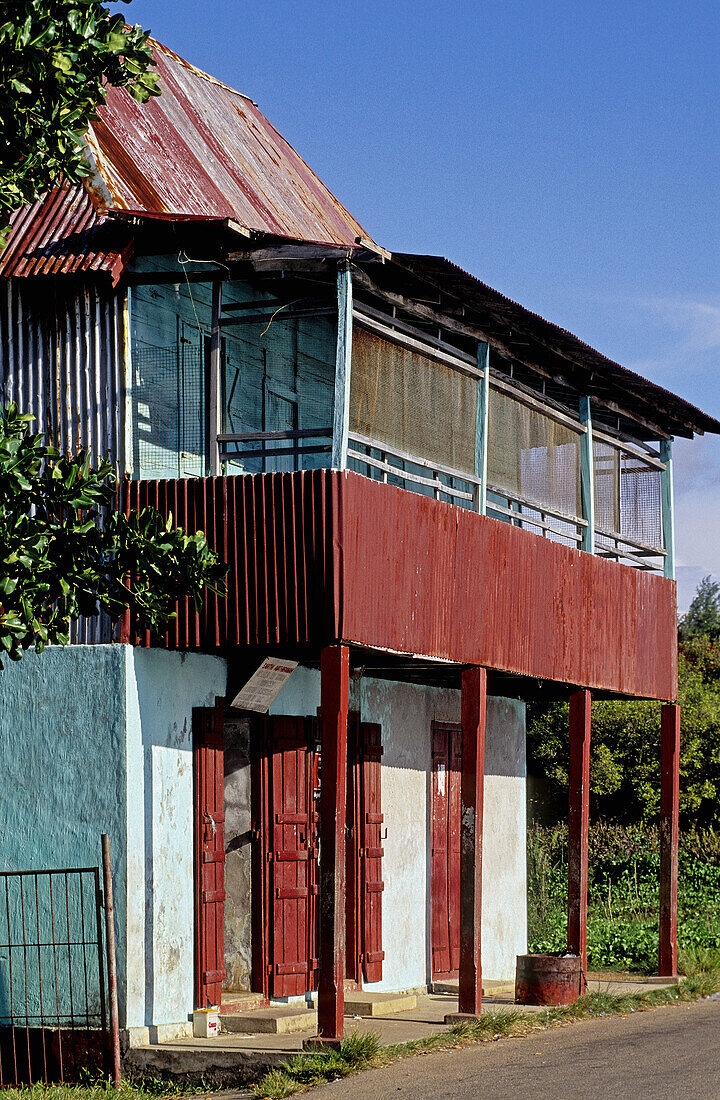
[
  {"x": 169, "y": 420},
  {"x": 412, "y": 403},
  {"x": 531, "y": 455},
  {"x": 627, "y": 495}
]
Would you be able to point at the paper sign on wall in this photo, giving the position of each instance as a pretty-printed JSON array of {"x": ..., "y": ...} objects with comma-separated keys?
[{"x": 264, "y": 685}]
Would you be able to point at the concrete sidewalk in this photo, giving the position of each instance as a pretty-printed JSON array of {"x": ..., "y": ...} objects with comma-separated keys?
[{"x": 237, "y": 1058}]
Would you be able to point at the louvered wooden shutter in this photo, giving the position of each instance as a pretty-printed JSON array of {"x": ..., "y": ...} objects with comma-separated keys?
[
  {"x": 208, "y": 775},
  {"x": 371, "y": 852}
]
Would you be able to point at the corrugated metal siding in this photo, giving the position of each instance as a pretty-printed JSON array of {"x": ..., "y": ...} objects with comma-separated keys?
[
  {"x": 319, "y": 556},
  {"x": 275, "y": 531},
  {"x": 425, "y": 577},
  {"x": 62, "y": 359}
]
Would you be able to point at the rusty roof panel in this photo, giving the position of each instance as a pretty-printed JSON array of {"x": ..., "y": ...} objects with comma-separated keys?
[
  {"x": 62, "y": 233},
  {"x": 199, "y": 151},
  {"x": 201, "y": 148}
]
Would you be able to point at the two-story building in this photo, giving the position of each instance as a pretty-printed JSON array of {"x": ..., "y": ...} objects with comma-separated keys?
[{"x": 434, "y": 502}]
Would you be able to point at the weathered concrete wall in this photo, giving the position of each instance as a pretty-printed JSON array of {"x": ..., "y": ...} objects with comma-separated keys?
[
  {"x": 62, "y": 762},
  {"x": 162, "y": 689},
  {"x": 238, "y": 858},
  {"x": 504, "y": 919}
]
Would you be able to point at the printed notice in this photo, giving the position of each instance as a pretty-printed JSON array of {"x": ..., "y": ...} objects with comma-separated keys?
[{"x": 264, "y": 685}]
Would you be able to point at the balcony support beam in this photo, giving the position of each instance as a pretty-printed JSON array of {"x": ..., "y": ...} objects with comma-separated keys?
[
  {"x": 472, "y": 786},
  {"x": 587, "y": 476},
  {"x": 578, "y": 823},
  {"x": 343, "y": 357},
  {"x": 214, "y": 397},
  {"x": 334, "y": 689},
  {"x": 668, "y": 517},
  {"x": 669, "y": 814},
  {"x": 481, "y": 428}
]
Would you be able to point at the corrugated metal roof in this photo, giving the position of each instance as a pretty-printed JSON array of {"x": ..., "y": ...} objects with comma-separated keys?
[
  {"x": 63, "y": 233},
  {"x": 606, "y": 373},
  {"x": 200, "y": 150}
]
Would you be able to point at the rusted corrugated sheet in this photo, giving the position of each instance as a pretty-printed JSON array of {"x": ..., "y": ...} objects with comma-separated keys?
[
  {"x": 424, "y": 577},
  {"x": 200, "y": 151},
  {"x": 202, "y": 148},
  {"x": 275, "y": 531},
  {"x": 320, "y": 556},
  {"x": 64, "y": 234}
]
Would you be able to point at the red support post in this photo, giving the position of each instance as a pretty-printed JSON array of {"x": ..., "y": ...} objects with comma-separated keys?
[
  {"x": 472, "y": 786},
  {"x": 578, "y": 822},
  {"x": 669, "y": 813},
  {"x": 334, "y": 688}
]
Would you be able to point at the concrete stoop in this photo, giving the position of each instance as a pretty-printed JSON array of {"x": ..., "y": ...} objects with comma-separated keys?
[
  {"x": 245, "y": 1017},
  {"x": 378, "y": 1004},
  {"x": 490, "y": 987},
  {"x": 275, "y": 1020}
]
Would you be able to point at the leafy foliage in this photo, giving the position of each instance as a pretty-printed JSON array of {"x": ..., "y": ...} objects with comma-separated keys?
[
  {"x": 65, "y": 551},
  {"x": 623, "y": 900},
  {"x": 702, "y": 618},
  {"x": 57, "y": 57},
  {"x": 625, "y": 747}
]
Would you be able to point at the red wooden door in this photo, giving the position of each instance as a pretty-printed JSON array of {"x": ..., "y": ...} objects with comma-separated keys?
[
  {"x": 293, "y": 858},
  {"x": 208, "y": 775},
  {"x": 445, "y": 850},
  {"x": 353, "y": 938},
  {"x": 371, "y": 852}
]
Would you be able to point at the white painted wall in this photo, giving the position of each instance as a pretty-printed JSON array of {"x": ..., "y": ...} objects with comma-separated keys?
[{"x": 161, "y": 690}]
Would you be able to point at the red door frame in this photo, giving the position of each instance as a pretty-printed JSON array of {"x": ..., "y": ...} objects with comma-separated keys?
[{"x": 445, "y": 851}]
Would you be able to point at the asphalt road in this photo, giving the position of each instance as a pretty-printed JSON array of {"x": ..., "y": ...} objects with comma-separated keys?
[{"x": 664, "y": 1054}]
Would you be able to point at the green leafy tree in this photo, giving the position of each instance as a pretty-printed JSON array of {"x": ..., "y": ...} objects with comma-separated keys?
[
  {"x": 625, "y": 748},
  {"x": 57, "y": 58},
  {"x": 66, "y": 551},
  {"x": 702, "y": 618}
]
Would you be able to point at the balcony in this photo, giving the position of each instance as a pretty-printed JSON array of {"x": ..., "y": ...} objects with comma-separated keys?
[{"x": 324, "y": 556}]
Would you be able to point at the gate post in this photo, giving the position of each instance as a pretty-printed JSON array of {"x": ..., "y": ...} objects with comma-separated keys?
[
  {"x": 472, "y": 788},
  {"x": 334, "y": 689},
  {"x": 669, "y": 813},
  {"x": 578, "y": 822}
]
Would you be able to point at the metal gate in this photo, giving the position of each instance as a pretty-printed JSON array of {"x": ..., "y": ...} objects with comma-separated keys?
[{"x": 52, "y": 983}]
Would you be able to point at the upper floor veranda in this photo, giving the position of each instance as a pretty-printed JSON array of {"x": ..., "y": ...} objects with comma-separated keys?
[{"x": 408, "y": 371}]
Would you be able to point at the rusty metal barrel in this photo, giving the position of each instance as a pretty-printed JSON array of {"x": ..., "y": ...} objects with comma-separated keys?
[{"x": 548, "y": 979}]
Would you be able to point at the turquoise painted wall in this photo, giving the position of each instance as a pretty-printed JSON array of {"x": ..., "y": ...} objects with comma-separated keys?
[{"x": 62, "y": 763}]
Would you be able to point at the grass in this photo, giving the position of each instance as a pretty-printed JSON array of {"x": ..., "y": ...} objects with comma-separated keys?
[
  {"x": 623, "y": 897},
  {"x": 149, "y": 1087},
  {"x": 363, "y": 1051}
]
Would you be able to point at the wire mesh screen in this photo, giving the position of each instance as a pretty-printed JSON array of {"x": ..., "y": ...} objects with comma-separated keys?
[
  {"x": 627, "y": 495},
  {"x": 52, "y": 986},
  {"x": 169, "y": 400},
  {"x": 533, "y": 456},
  {"x": 412, "y": 403}
]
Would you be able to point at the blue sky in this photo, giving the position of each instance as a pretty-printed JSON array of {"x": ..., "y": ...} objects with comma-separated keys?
[{"x": 566, "y": 153}]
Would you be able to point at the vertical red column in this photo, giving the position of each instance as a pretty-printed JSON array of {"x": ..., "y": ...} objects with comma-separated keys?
[
  {"x": 669, "y": 812},
  {"x": 472, "y": 786},
  {"x": 334, "y": 686},
  {"x": 578, "y": 821}
]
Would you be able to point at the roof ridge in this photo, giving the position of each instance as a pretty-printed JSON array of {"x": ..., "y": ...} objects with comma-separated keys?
[{"x": 200, "y": 72}]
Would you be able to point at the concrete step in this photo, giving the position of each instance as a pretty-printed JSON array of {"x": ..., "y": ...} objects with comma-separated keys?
[
  {"x": 490, "y": 988},
  {"x": 276, "y": 1020},
  {"x": 378, "y": 1004},
  {"x": 241, "y": 1002}
]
